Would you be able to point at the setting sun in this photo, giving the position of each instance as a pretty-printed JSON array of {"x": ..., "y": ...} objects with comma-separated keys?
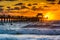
[{"x": 49, "y": 16}]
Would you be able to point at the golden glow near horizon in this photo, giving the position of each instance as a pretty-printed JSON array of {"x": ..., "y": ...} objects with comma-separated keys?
[
  {"x": 49, "y": 16},
  {"x": 50, "y": 11}
]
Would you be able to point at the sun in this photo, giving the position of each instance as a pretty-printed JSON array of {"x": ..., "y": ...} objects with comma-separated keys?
[{"x": 49, "y": 16}]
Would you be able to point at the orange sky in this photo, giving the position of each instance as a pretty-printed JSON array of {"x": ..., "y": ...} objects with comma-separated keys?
[{"x": 52, "y": 12}]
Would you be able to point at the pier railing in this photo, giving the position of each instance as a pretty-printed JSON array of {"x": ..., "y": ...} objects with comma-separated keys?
[{"x": 8, "y": 18}]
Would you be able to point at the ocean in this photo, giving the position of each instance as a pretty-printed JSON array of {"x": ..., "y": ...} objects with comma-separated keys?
[{"x": 27, "y": 31}]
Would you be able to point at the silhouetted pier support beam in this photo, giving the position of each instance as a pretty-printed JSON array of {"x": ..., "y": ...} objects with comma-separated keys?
[
  {"x": 1, "y": 19},
  {"x": 8, "y": 18},
  {"x": 4, "y": 20}
]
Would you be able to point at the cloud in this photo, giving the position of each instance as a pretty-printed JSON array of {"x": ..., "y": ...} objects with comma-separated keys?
[
  {"x": 50, "y": 0},
  {"x": 10, "y": 0},
  {"x": 18, "y": 4},
  {"x": 59, "y": 2},
  {"x": 52, "y": 3}
]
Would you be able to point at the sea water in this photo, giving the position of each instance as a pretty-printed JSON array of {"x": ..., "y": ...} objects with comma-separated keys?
[{"x": 17, "y": 32}]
